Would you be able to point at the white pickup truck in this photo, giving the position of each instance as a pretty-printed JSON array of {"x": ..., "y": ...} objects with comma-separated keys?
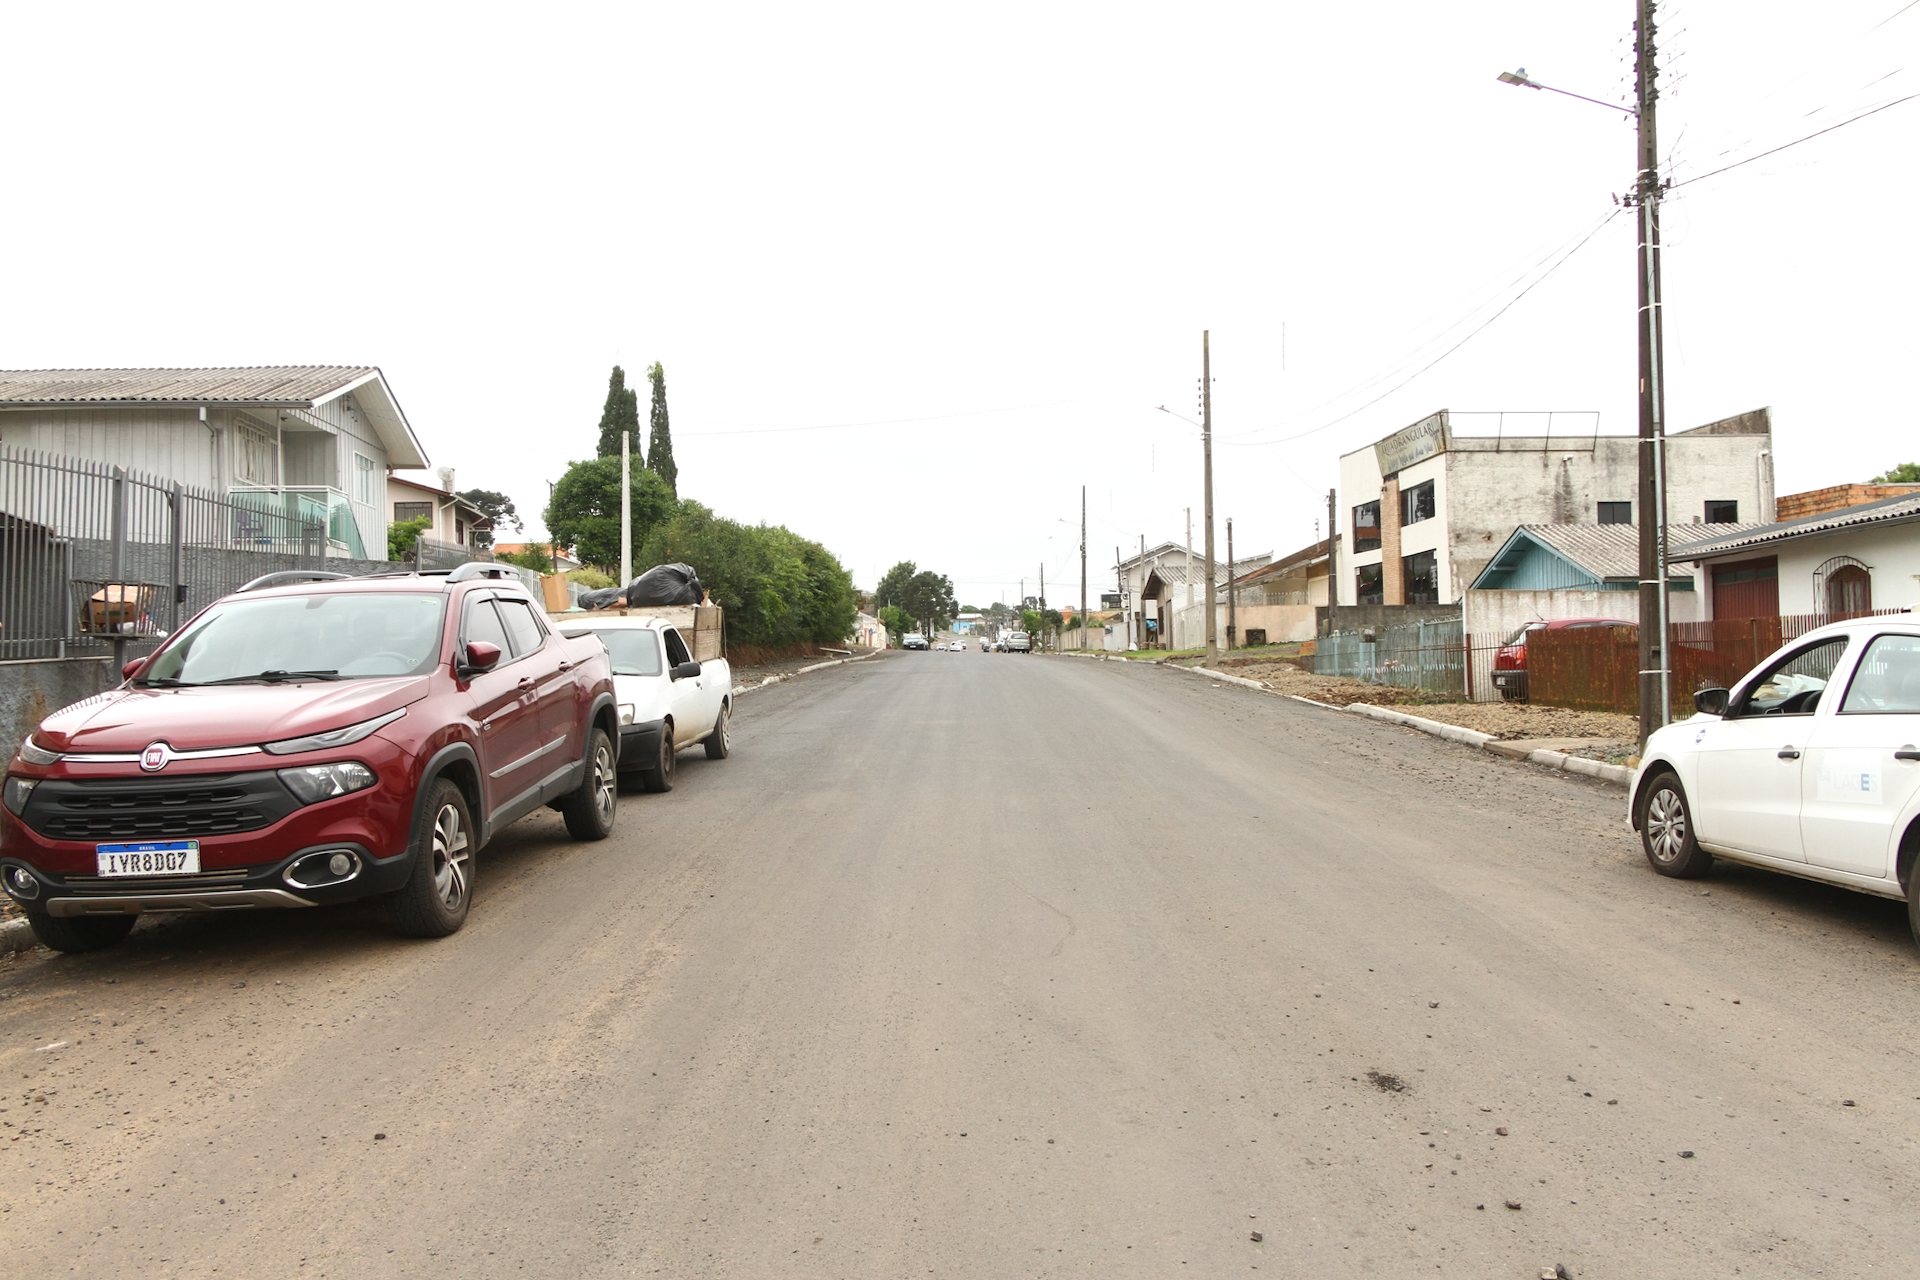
[{"x": 668, "y": 700}]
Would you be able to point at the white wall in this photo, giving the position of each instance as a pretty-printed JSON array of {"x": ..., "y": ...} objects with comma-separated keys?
[{"x": 1891, "y": 552}]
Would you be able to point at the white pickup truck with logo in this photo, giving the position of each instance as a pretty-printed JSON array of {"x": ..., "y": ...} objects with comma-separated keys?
[{"x": 669, "y": 700}]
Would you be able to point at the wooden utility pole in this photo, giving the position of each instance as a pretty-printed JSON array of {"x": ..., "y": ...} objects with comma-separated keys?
[
  {"x": 1083, "y": 566},
  {"x": 1333, "y": 577},
  {"x": 1206, "y": 450},
  {"x": 1655, "y": 693}
]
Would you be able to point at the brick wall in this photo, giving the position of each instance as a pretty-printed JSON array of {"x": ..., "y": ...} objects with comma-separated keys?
[
  {"x": 1393, "y": 578},
  {"x": 1836, "y": 497}
]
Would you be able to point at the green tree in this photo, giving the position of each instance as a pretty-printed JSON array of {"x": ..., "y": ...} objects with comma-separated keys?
[
  {"x": 585, "y": 510},
  {"x": 621, "y": 416},
  {"x": 1905, "y": 473},
  {"x": 499, "y": 511},
  {"x": 895, "y": 620},
  {"x": 777, "y": 587},
  {"x": 402, "y": 536},
  {"x": 659, "y": 438},
  {"x": 929, "y": 598},
  {"x": 893, "y": 583},
  {"x": 534, "y": 558}
]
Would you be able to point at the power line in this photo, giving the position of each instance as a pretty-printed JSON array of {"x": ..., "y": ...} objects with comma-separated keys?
[
  {"x": 1796, "y": 142},
  {"x": 1301, "y": 435}
]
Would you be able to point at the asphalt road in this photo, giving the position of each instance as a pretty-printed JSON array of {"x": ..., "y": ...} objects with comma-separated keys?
[{"x": 973, "y": 965}]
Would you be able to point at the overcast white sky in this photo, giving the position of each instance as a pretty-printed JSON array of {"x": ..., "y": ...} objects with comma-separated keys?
[{"x": 917, "y": 272}]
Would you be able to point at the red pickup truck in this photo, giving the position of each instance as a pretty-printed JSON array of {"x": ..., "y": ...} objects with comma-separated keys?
[{"x": 310, "y": 739}]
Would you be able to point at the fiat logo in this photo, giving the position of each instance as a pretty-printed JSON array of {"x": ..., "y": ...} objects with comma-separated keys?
[{"x": 155, "y": 757}]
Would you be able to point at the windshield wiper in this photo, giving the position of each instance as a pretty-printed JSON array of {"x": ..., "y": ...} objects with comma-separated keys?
[
  {"x": 277, "y": 677},
  {"x": 165, "y": 682}
]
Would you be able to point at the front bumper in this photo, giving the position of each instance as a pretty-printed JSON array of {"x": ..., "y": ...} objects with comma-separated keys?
[
  {"x": 275, "y": 886},
  {"x": 640, "y": 745}
]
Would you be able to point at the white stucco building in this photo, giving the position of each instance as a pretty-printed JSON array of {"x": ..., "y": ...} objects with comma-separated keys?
[{"x": 1425, "y": 509}]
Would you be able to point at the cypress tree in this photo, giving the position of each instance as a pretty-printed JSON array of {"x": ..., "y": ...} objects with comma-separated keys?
[
  {"x": 621, "y": 415},
  {"x": 659, "y": 438}
]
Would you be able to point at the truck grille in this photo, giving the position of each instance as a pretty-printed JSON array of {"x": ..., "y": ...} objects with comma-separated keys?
[{"x": 151, "y": 809}]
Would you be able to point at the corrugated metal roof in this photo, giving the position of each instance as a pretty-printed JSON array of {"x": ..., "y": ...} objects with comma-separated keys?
[
  {"x": 1886, "y": 510},
  {"x": 286, "y": 386},
  {"x": 1173, "y": 569},
  {"x": 1602, "y": 552}
]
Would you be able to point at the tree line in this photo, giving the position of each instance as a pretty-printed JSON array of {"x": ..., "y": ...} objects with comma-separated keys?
[{"x": 778, "y": 588}]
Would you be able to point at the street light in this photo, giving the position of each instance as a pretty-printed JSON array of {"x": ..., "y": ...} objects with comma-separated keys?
[{"x": 1655, "y": 673}]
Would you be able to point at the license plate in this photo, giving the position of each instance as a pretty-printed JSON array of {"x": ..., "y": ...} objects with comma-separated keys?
[{"x": 149, "y": 858}]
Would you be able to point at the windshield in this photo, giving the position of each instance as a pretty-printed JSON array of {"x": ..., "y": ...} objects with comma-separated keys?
[
  {"x": 634, "y": 653},
  {"x": 322, "y": 636}
]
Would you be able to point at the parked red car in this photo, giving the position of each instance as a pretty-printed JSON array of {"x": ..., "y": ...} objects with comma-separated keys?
[
  {"x": 311, "y": 739},
  {"x": 1510, "y": 659}
]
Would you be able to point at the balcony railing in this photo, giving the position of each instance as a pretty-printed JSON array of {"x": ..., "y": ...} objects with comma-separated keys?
[{"x": 268, "y": 517}]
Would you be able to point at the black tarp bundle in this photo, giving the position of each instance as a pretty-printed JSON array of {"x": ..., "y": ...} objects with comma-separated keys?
[{"x": 662, "y": 584}]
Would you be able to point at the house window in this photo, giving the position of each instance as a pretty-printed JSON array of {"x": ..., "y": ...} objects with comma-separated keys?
[
  {"x": 1616, "y": 513},
  {"x": 1722, "y": 512},
  {"x": 412, "y": 511},
  {"x": 254, "y": 452},
  {"x": 1366, "y": 584},
  {"x": 1422, "y": 576},
  {"x": 1416, "y": 504},
  {"x": 366, "y": 480},
  {"x": 1366, "y": 526}
]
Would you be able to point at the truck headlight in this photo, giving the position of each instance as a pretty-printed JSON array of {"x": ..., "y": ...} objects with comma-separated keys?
[
  {"x": 333, "y": 737},
  {"x": 33, "y": 753},
  {"x": 626, "y": 714},
  {"x": 316, "y": 782}
]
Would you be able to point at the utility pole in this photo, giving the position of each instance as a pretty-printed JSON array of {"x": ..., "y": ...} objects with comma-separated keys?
[
  {"x": 626, "y": 512},
  {"x": 553, "y": 546},
  {"x": 1230, "y": 613},
  {"x": 1206, "y": 449},
  {"x": 1333, "y": 579},
  {"x": 1655, "y": 692},
  {"x": 1083, "y": 566}
]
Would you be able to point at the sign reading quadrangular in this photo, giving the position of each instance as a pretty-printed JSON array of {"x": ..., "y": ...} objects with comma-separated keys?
[{"x": 1423, "y": 440}]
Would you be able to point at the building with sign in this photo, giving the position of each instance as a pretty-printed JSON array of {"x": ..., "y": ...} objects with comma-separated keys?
[{"x": 1427, "y": 507}]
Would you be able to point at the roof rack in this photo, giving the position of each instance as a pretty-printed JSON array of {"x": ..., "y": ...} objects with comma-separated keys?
[
  {"x": 481, "y": 569},
  {"x": 286, "y": 576}
]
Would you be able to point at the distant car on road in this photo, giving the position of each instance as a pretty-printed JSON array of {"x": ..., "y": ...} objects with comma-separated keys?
[
  {"x": 913, "y": 640},
  {"x": 1510, "y": 659},
  {"x": 958, "y": 646},
  {"x": 1019, "y": 642},
  {"x": 1810, "y": 765}
]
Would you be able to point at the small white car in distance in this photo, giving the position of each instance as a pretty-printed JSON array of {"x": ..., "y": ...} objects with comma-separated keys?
[
  {"x": 1810, "y": 765},
  {"x": 668, "y": 702}
]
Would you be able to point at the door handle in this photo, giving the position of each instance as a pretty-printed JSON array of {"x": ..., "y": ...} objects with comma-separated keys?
[
  {"x": 1789, "y": 753},
  {"x": 1907, "y": 753}
]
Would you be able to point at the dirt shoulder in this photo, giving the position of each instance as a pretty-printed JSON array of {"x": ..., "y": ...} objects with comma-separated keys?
[{"x": 1600, "y": 735}]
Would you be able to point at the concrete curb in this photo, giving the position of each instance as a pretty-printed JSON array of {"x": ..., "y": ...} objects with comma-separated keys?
[
  {"x": 818, "y": 666},
  {"x": 1221, "y": 676},
  {"x": 1451, "y": 732},
  {"x": 16, "y": 935}
]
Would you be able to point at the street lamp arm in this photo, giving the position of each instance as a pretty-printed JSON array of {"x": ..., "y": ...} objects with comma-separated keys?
[{"x": 1520, "y": 77}]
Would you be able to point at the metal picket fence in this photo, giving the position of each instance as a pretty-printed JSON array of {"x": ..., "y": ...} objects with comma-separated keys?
[
  {"x": 94, "y": 556},
  {"x": 1428, "y": 656}
]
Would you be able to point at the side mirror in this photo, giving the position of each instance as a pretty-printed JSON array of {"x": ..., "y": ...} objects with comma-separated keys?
[
  {"x": 1711, "y": 701},
  {"x": 686, "y": 671},
  {"x": 482, "y": 655},
  {"x": 127, "y": 672}
]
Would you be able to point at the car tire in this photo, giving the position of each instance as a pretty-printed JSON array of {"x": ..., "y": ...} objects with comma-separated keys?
[
  {"x": 589, "y": 810},
  {"x": 1666, "y": 830},
  {"x": 74, "y": 934},
  {"x": 660, "y": 776},
  {"x": 720, "y": 741},
  {"x": 436, "y": 898},
  {"x": 1913, "y": 903}
]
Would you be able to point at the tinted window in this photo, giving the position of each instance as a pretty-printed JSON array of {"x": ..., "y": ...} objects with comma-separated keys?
[
  {"x": 1366, "y": 526},
  {"x": 1416, "y": 504},
  {"x": 1616, "y": 513},
  {"x": 1422, "y": 577},
  {"x": 1888, "y": 677},
  {"x": 483, "y": 623},
  {"x": 522, "y": 627},
  {"x": 676, "y": 648}
]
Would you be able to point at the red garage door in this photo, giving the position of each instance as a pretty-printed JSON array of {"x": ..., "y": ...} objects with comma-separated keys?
[{"x": 1747, "y": 589}]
